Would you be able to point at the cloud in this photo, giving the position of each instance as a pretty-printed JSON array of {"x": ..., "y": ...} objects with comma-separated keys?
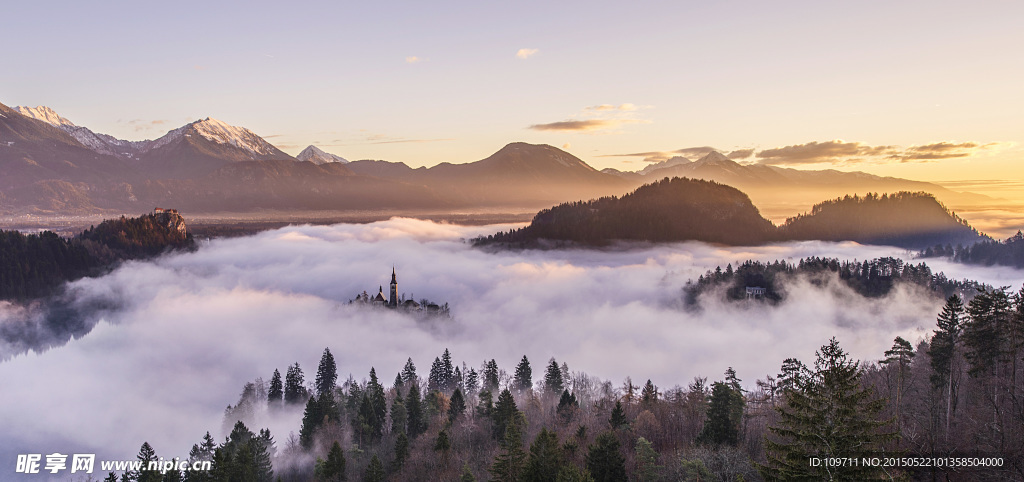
[
  {"x": 609, "y": 107},
  {"x": 838, "y": 151},
  {"x": 659, "y": 156},
  {"x": 173, "y": 340},
  {"x": 741, "y": 154},
  {"x": 140, "y": 125},
  {"x": 585, "y": 125},
  {"x": 413, "y": 60},
  {"x": 940, "y": 150},
  {"x": 526, "y": 53},
  {"x": 566, "y": 145}
]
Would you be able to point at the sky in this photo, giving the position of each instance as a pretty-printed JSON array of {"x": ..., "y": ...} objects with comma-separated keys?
[
  {"x": 922, "y": 90},
  {"x": 173, "y": 340}
]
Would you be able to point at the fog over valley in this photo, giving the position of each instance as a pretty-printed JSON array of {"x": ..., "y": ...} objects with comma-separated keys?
[{"x": 167, "y": 344}]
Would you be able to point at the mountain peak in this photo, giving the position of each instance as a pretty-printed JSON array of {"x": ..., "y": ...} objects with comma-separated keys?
[
  {"x": 672, "y": 161},
  {"x": 714, "y": 157},
  {"x": 224, "y": 133},
  {"x": 45, "y": 114},
  {"x": 319, "y": 156}
]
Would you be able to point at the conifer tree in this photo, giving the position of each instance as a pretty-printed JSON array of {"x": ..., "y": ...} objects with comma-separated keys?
[
  {"x": 828, "y": 414},
  {"x": 545, "y": 459},
  {"x": 618, "y": 417},
  {"x": 457, "y": 405},
  {"x": 311, "y": 419},
  {"x": 505, "y": 413},
  {"x": 649, "y": 394},
  {"x": 509, "y": 464},
  {"x": 378, "y": 404},
  {"x": 401, "y": 451},
  {"x": 553, "y": 379},
  {"x": 899, "y": 356},
  {"x": 605, "y": 461},
  {"x": 485, "y": 406},
  {"x": 399, "y": 415},
  {"x": 648, "y": 469},
  {"x": 435, "y": 378},
  {"x": 147, "y": 455},
  {"x": 491, "y": 376},
  {"x": 986, "y": 333},
  {"x": 447, "y": 377},
  {"x": 398, "y": 384},
  {"x": 467, "y": 475},
  {"x": 374, "y": 471},
  {"x": 523, "y": 379},
  {"x": 944, "y": 351},
  {"x": 409, "y": 373},
  {"x": 720, "y": 427},
  {"x": 326, "y": 373},
  {"x": 472, "y": 381},
  {"x": 417, "y": 423},
  {"x": 294, "y": 388},
  {"x": 276, "y": 393},
  {"x": 567, "y": 406},
  {"x": 332, "y": 469},
  {"x": 443, "y": 444}
]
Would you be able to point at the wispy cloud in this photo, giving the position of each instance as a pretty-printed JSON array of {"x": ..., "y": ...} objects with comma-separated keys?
[
  {"x": 838, "y": 151},
  {"x": 741, "y": 154},
  {"x": 585, "y": 125},
  {"x": 659, "y": 156},
  {"x": 141, "y": 125},
  {"x": 526, "y": 53},
  {"x": 609, "y": 107},
  {"x": 413, "y": 60}
]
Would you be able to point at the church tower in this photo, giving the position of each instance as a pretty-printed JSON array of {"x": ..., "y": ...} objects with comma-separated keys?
[{"x": 393, "y": 302}]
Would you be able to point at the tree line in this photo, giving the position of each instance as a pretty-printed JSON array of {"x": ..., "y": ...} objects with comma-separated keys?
[
  {"x": 960, "y": 392},
  {"x": 1009, "y": 252}
]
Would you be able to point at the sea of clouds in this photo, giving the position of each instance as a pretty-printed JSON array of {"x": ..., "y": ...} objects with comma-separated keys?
[{"x": 167, "y": 344}]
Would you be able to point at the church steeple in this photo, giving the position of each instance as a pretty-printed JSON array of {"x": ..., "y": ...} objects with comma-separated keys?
[{"x": 393, "y": 302}]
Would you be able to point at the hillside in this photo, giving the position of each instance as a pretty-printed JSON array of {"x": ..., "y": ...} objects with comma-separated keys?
[
  {"x": 904, "y": 219},
  {"x": 677, "y": 209}
]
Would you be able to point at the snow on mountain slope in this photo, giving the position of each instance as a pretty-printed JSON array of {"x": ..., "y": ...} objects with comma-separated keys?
[
  {"x": 319, "y": 156},
  {"x": 240, "y": 137},
  {"x": 44, "y": 114}
]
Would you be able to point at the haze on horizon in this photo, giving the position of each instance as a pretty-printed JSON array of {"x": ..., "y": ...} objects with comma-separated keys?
[{"x": 919, "y": 91}]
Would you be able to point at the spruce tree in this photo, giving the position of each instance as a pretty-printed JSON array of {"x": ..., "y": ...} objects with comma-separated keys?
[
  {"x": 417, "y": 423},
  {"x": 332, "y": 469},
  {"x": 311, "y": 419},
  {"x": 509, "y": 464},
  {"x": 618, "y": 417},
  {"x": 491, "y": 376},
  {"x": 276, "y": 394},
  {"x": 409, "y": 373},
  {"x": 467, "y": 475},
  {"x": 447, "y": 377},
  {"x": 147, "y": 455},
  {"x": 720, "y": 428},
  {"x": 326, "y": 373},
  {"x": 649, "y": 394},
  {"x": 648, "y": 469},
  {"x": 457, "y": 405},
  {"x": 401, "y": 451},
  {"x": 374, "y": 471},
  {"x": 944, "y": 353},
  {"x": 545, "y": 459},
  {"x": 553, "y": 385},
  {"x": 523, "y": 379},
  {"x": 899, "y": 356},
  {"x": 399, "y": 415},
  {"x": 434, "y": 379},
  {"x": 472, "y": 381},
  {"x": 567, "y": 406},
  {"x": 378, "y": 404},
  {"x": 827, "y": 414},
  {"x": 605, "y": 461},
  {"x": 505, "y": 413},
  {"x": 987, "y": 332},
  {"x": 294, "y": 388}
]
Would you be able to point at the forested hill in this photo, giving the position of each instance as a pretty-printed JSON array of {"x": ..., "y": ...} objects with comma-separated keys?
[
  {"x": 34, "y": 265},
  {"x": 677, "y": 209},
  {"x": 904, "y": 219},
  {"x": 682, "y": 209}
]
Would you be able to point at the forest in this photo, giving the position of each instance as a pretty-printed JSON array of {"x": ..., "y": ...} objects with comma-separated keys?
[
  {"x": 959, "y": 393},
  {"x": 988, "y": 252},
  {"x": 682, "y": 209},
  {"x": 869, "y": 278},
  {"x": 36, "y": 265}
]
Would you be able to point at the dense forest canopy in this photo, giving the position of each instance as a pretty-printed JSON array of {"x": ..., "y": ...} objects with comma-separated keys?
[
  {"x": 988, "y": 252},
  {"x": 868, "y": 278},
  {"x": 35, "y": 265},
  {"x": 682, "y": 209},
  {"x": 958, "y": 393}
]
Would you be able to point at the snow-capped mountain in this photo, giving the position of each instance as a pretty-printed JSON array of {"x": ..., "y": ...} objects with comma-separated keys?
[
  {"x": 318, "y": 156},
  {"x": 101, "y": 143},
  {"x": 44, "y": 114},
  {"x": 673, "y": 161}
]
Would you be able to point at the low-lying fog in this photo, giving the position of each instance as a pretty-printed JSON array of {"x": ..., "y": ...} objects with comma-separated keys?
[{"x": 179, "y": 336}]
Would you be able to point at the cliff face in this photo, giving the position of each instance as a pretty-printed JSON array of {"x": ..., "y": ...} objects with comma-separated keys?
[{"x": 170, "y": 219}]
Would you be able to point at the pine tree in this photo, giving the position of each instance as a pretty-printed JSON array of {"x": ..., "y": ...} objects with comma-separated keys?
[
  {"x": 567, "y": 406},
  {"x": 443, "y": 444},
  {"x": 398, "y": 384},
  {"x": 434, "y": 379},
  {"x": 312, "y": 417},
  {"x": 401, "y": 451},
  {"x": 553, "y": 379},
  {"x": 605, "y": 461},
  {"x": 374, "y": 471},
  {"x": 414, "y": 406},
  {"x": 944, "y": 352},
  {"x": 648, "y": 469},
  {"x": 509, "y": 464},
  {"x": 457, "y": 405},
  {"x": 326, "y": 374},
  {"x": 720, "y": 427},
  {"x": 378, "y": 404},
  {"x": 409, "y": 373},
  {"x": 523, "y": 379},
  {"x": 333, "y": 469},
  {"x": 294, "y": 388},
  {"x": 545, "y": 459},
  {"x": 467, "y": 475},
  {"x": 276, "y": 393},
  {"x": 490, "y": 376},
  {"x": 447, "y": 378},
  {"x": 649, "y": 394},
  {"x": 505, "y": 413},
  {"x": 485, "y": 405},
  {"x": 399, "y": 415},
  {"x": 472, "y": 381},
  {"x": 828, "y": 414},
  {"x": 618, "y": 418},
  {"x": 987, "y": 332},
  {"x": 147, "y": 455},
  {"x": 900, "y": 356}
]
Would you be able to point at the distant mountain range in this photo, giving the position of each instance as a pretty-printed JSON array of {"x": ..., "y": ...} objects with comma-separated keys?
[
  {"x": 683, "y": 209},
  {"x": 49, "y": 165}
]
